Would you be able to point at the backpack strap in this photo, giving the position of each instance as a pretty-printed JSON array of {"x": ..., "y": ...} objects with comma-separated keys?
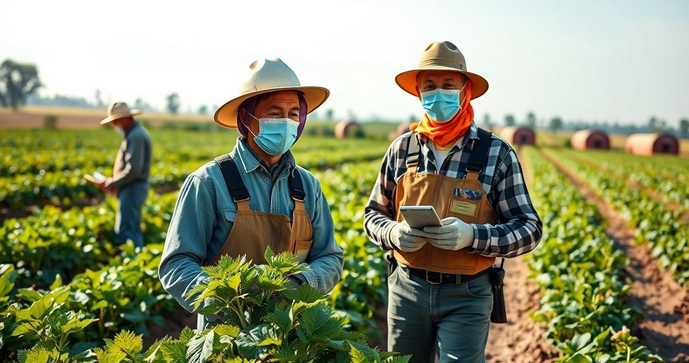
[
  {"x": 479, "y": 154},
  {"x": 413, "y": 152},
  {"x": 234, "y": 182}
]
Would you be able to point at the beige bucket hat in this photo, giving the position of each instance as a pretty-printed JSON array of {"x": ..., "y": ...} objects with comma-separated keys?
[
  {"x": 119, "y": 110},
  {"x": 442, "y": 56},
  {"x": 269, "y": 75}
]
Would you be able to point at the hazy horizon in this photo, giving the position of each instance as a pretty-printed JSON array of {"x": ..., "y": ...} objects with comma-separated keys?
[{"x": 606, "y": 60}]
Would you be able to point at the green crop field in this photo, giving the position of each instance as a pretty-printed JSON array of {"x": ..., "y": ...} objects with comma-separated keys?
[{"x": 68, "y": 293}]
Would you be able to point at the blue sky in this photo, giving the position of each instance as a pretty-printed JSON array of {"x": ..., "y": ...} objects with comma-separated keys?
[{"x": 591, "y": 60}]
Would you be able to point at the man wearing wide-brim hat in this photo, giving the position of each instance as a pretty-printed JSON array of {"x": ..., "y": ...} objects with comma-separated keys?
[
  {"x": 255, "y": 196},
  {"x": 130, "y": 173},
  {"x": 440, "y": 294}
]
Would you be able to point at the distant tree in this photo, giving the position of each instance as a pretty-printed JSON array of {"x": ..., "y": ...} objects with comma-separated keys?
[
  {"x": 17, "y": 81},
  {"x": 486, "y": 120},
  {"x": 203, "y": 110},
  {"x": 139, "y": 104},
  {"x": 329, "y": 114},
  {"x": 509, "y": 120},
  {"x": 99, "y": 100},
  {"x": 653, "y": 123},
  {"x": 351, "y": 116},
  {"x": 684, "y": 127},
  {"x": 412, "y": 118},
  {"x": 173, "y": 103},
  {"x": 555, "y": 123},
  {"x": 531, "y": 120}
]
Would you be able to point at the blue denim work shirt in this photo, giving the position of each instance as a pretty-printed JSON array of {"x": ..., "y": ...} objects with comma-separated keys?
[{"x": 204, "y": 215}]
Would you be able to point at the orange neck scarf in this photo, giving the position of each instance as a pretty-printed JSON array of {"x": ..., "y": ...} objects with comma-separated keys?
[{"x": 446, "y": 133}]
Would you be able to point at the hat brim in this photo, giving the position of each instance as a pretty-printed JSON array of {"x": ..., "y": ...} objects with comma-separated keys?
[
  {"x": 407, "y": 80},
  {"x": 226, "y": 115},
  {"x": 117, "y": 117}
]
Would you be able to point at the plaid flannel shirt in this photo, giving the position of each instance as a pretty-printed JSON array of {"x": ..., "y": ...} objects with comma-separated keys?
[{"x": 519, "y": 229}]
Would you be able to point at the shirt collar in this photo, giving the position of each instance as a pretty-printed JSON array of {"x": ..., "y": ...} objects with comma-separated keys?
[
  {"x": 132, "y": 127},
  {"x": 250, "y": 161}
]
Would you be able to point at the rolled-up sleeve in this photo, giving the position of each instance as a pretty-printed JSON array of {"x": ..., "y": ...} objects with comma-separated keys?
[
  {"x": 520, "y": 228},
  {"x": 325, "y": 258},
  {"x": 379, "y": 217},
  {"x": 190, "y": 231}
]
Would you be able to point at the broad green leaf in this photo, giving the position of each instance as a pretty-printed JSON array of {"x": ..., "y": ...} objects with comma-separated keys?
[{"x": 200, "y": 348}]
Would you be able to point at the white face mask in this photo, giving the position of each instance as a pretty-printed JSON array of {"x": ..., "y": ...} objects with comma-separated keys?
[{"x": 119, "y": 130}]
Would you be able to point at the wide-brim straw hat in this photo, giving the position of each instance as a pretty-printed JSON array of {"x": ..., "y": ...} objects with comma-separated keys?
[
  {"x": 441, "y": 56},
  {"x": 266, "y": 76},
  {"x": 119, "y": 110}
]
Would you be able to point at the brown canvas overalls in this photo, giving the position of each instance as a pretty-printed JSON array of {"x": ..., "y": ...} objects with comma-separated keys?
[
  {"x": 461, "y": 198},
  {"x": 252, "y": 232}
]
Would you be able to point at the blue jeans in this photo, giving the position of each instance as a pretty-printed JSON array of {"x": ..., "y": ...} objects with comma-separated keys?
[
  {"x": 131, "y": 198},
  {"x": 450, "y": 320}
]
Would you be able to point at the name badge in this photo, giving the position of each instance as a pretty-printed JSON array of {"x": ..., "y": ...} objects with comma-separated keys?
[{"x": 462, "y": 207}]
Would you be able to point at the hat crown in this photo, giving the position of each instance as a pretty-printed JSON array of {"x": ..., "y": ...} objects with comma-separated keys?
[
  {"x": 443, "y": 54},
  {"x": 268, "y": 74},
  {"x": 118, "y": 108}
]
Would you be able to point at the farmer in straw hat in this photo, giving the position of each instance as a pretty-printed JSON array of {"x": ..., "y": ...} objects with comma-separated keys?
[
  {"x": 440, "y": 293},
  {"x": 255, "y": 196},
  {"x": 130, "y": 174}
]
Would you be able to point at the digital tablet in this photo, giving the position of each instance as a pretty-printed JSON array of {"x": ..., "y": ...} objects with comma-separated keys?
[
  {"x": 96, "y": 178},
  {"x": 420, "y": 216}
]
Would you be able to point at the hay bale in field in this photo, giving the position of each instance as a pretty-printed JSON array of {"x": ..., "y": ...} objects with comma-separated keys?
[
  {"x": 518, "y": 135},
  {"x": 347, "y": 129},
  {"x": 590, "y": 139},
  {"x": 400, "y": 130},
  {"x": 649, "y": 144}
]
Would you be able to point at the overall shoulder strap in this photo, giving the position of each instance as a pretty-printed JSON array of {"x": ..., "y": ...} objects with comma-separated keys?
[
  {"x": 479, "y": 154},
  {"x": 233, "y": 180},
  {"x": 413, "y": 152},
  {"x": 296, "y": 186}
]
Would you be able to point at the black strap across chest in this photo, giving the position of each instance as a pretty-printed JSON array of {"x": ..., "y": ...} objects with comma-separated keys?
[
  {"x": 237, "y": 188},
  {"x": 478, "y": 156}
]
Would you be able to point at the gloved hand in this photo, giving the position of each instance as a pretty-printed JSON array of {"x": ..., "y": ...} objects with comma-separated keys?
[
  {"x": 453, "y": 235},
  {"x": 407, "y": 239}
]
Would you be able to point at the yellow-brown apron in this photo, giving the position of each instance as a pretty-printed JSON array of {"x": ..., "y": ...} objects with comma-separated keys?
[
  {"x": 252, "y": 232},
  {"x": 451, "y": 197}
]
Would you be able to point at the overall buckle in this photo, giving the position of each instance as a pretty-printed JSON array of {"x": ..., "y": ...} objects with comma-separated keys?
[{"x": 440, "y": 278}]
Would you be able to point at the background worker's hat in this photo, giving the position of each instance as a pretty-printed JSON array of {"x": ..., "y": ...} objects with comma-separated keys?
[
  {"x": 442, "y": 56},
  {"x": 269, "y": 75},
  {"x": 119, "y": 110}
]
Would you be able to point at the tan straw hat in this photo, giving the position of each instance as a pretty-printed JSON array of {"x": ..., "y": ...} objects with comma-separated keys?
[
  {"x": 119, "y": 110},
  {"x": 268, "y": 75},
  {"x": 442, "y": 56}
]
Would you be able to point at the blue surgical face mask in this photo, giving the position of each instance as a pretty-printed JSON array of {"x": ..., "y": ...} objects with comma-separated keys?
[
  {"x": 275, "y": 135},
  {"x": 441, "y": 105},
  {"x": 119, "y": 130}
]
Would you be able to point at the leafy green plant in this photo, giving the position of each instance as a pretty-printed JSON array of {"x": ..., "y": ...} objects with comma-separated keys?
[{"x": 580, "y": 273}]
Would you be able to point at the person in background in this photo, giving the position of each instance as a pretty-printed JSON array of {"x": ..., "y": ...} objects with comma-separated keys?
[
  {"x": 130, "y": 174},
  {"x": 440, "y": 293},
  {"x": 256, "y": 196}
]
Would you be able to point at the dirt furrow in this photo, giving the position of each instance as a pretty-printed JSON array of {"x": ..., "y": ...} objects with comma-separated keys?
[
  {"x": 664, "y": 302},
  {"x": 521, "y": 339}
]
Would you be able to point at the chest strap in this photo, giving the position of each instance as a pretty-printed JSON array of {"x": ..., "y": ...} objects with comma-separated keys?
[
  {"x": 413, "y": 151},
  {"x": 477, "y": 157},
  {"x": 238, "y": 190},
  {"x": 479, "y": 154}
]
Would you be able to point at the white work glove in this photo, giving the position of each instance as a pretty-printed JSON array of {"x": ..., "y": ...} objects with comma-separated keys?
[
  {"x": 453, "y": 235},
  {"x": 405, "y": 238}
]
